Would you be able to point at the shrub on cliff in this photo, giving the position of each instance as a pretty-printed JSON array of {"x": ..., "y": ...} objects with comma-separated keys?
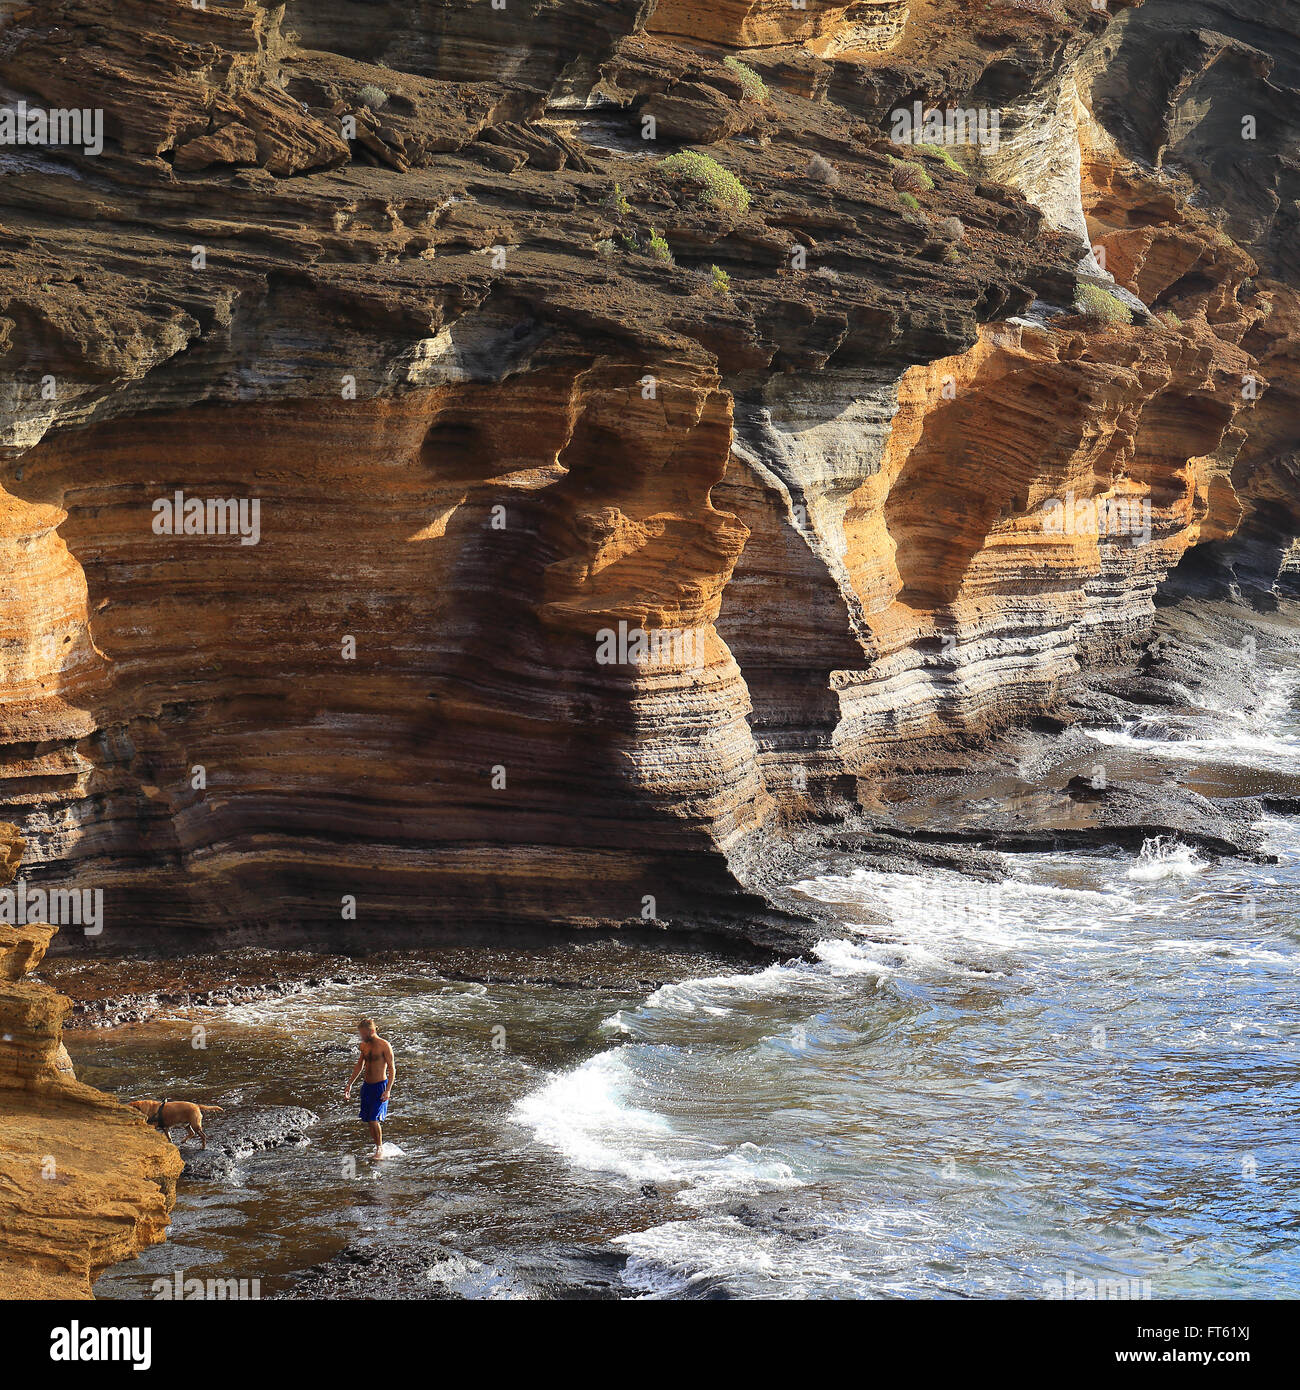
[
  {"x": 823, "y": 170},
  {"x": 372, "y": 96},
  {"x": 721, "y": 188},
  {"x": 721, "y": 280},
  {"x": 617, "y": 202},
  {"x": 938, "y": 152},
  {"x": 1095, "y": 303},
  {"x": 950, "y": 229},
  {"x": 908, "y": 174},
  {"x": 909, "y": 202},
  {"x": 751, "y": 83},
  {"x": 658, "y": 248}
]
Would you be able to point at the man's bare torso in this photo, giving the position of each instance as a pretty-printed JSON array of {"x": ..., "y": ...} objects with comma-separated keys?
[{"x": 374, "y": 1054}]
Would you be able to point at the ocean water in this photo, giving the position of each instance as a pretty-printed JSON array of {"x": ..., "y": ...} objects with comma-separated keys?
[{"x": 1088, "y": 1072}]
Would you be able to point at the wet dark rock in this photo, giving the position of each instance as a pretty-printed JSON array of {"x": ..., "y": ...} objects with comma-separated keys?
[
  {"x": 1083, "y": 788},
  {"x": 238, "y": 1132},
  {"x": 114, "y": 992},
  {"x": 432, "y": 1271},
  {"x": 378, "y": 1272},
  {"x": 1144, "y": 690},
  {"x": 136, "y": 1008},
  {"x": 573, "y": 1274},
  {"x": 1126, "y": 818}
]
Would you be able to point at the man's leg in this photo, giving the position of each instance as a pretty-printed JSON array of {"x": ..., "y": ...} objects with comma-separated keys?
[{"x": 377, "y": 1134}]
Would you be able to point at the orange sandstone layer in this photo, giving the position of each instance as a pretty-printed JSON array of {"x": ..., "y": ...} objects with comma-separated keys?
[
  {"x": 86, "y": 1183},
  {"x": 952, "y": 577},
  {"x": 397, "y": 694},
  {"x": 1202, "y": 238}
]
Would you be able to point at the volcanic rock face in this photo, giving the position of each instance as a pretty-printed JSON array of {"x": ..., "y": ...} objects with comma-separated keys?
[
  {"x": 858, "y": 26},
  {"x": 429, "y": 510},
  {"x": 1209, "y": 94},
  {"x": 86, "y": 1182}
]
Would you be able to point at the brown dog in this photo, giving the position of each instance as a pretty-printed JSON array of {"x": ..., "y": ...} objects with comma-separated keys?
[{"x": 167, "y": 1114}]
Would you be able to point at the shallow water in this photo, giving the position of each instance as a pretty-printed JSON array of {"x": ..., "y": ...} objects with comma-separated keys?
[{"x": 1090, "y": 1071}]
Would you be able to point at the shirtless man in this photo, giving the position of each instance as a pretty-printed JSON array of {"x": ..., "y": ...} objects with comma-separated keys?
[{"x": 381, "y": 1071}]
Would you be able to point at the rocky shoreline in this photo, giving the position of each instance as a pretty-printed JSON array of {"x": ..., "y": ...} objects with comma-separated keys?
[
  {"x": 134, "y": 989},
  {"x": 1052, "y": 787}
]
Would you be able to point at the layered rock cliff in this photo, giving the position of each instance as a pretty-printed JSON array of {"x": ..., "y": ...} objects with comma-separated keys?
[
  {"x": 649, "y": 450},
  {"x": 1195, "y": 117},
  {"x": 84, "y": 1182}
]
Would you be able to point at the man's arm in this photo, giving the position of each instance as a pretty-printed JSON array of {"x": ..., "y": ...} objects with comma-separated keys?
[
  {"x": 391, "y": 1063},
  {"x": 356, "y": 1071}
]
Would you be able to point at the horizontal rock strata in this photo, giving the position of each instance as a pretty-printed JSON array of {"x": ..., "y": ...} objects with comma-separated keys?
[{"x": 648, "y": 451}]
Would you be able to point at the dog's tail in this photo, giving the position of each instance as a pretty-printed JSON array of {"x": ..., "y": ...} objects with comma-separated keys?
[{"x": 206, "y": 1108}]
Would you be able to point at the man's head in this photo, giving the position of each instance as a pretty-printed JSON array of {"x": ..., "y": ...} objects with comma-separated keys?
[{"x": 366, "y": 1028}]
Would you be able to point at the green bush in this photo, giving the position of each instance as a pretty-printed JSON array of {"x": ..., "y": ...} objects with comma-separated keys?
[
  {"x": 909, "y": 202},
  {"x": 907, "y": 173},
  {"x": 605, "y": 247},
  {"x": 721, "y": 280},
  {"x": 1095, "y": 303},
  {"x": 372, "y": 96},
  {"x": 939, "y": 153},
  {"x": 722, "y": 189},
  {"x": 616, "y": 202},
  {"x": 658, "y": 248},
  {"x": 751, "y": 83}
]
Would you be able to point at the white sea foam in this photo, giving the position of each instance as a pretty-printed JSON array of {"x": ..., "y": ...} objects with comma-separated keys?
[
  {"x": 1165, "y": 857},
  {"x": 712, "y": 991},
  {"x": 1283, "y": 839},
  {"x": 588, "y": 1115},
  {"x": 473, "y": 1279},
  {"x": 675, "y": 1258},
  {"x": 1251, "y": 737},
  {"x": 684, "y": 1257},
  {"x": 844, "y": 958},
  {"x": 944, "y": 921},
  {"x": 1240, "y": 747}
]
